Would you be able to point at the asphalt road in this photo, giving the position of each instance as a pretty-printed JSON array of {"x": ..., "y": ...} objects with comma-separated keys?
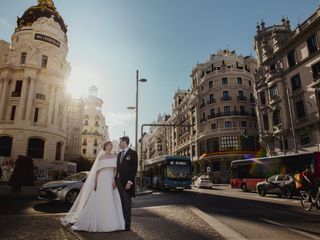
[{"x": 250, "y": 215}]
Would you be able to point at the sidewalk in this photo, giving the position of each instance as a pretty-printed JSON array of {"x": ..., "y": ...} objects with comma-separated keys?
[
  {"x": 151, "y": 223},
  {"x": 154, "y": 223}
]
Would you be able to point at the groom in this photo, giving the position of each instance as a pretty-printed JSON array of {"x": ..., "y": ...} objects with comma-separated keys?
[{"x": 127, "y": 164}]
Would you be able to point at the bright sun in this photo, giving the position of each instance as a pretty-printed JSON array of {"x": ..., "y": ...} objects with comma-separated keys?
[{"x": 81, "y": 78}]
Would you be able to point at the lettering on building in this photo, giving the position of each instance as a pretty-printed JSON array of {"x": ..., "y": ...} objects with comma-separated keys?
[{"x": 47, "y": 39}]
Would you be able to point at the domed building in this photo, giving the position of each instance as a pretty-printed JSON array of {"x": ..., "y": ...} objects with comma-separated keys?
[{"x": 33, "y": 73}]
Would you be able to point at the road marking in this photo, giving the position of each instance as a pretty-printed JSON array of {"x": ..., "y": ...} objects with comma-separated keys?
[
  {"x": 224, "y": 230},
  {"x": 291, "y": 229}
]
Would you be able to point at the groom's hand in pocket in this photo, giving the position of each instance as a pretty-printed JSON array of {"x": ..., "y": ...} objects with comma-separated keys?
[{"x": 128, "y": 186}]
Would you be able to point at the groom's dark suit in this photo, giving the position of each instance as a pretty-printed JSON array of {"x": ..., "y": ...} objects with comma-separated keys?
[{"x": 126, "y": 171}]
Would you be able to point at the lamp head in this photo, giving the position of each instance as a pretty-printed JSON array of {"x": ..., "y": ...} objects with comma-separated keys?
[{"x": 142, "y": 80}]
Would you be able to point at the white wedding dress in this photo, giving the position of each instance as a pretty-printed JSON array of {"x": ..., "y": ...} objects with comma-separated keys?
[{"x": 100, "y": 210}]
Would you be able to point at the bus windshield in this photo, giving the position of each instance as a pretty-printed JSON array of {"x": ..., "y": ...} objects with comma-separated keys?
[{"x": 178, "y": 172}]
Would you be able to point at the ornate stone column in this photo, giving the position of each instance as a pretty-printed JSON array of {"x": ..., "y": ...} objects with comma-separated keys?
[
  {"x": 51, "y": 104},
  {"x": 56, "y": 107},
  {"x": 30, "y": 98},
  {"x": 23, "y": 101},
  {"x": 3, "y": 97}
]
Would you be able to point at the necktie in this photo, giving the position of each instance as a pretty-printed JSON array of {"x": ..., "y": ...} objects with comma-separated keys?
[{"x": 121, "y": 157}]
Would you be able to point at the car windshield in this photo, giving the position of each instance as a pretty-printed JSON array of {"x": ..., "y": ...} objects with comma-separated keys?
[
  {"x": 205, "y": 179},
  {"x": 272, "y": 178},
  {"x": 76, "y": 177}
]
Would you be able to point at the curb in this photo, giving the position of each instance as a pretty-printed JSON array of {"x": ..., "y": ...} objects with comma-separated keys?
[{"x": 224, "y": 230}]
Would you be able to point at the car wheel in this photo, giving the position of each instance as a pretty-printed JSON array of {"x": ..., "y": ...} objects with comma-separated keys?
[
  {"x": 261, "y": 191},
  {"x": 72, "y": 196},
  {"x": 244, "y": 187}
]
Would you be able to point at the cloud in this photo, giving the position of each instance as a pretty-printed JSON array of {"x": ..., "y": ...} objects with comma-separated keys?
[{"x": 119, "y": 119}]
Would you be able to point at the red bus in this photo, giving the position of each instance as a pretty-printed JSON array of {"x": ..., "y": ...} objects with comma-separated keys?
[{"x": 246, "y": 173}]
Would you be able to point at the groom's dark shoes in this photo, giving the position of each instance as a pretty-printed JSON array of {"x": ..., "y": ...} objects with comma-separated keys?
[{"x": 127, "y": 228}]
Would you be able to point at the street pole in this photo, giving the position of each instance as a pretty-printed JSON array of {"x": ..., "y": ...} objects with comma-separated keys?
[{"x": 137, "y": 101}]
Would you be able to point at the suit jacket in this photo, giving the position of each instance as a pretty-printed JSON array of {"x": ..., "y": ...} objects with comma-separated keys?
[{"x": 127, "y": 170}]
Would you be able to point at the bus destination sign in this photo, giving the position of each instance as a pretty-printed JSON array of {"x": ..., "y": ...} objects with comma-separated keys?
[{"x": 178, "y": 163}]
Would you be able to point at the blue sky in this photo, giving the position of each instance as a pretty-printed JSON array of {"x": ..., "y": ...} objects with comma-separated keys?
[{"x": 110, "y": 39}]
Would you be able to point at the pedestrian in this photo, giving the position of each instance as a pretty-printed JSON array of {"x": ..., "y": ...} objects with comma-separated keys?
[{"x": 127, "y": 164}]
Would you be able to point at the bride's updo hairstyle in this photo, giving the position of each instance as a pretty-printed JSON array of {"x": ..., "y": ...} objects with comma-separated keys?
[{"x": 104, "y": 146}]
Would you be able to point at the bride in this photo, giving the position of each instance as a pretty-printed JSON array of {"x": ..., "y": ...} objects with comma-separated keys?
[{"x": 98, "y": 205}]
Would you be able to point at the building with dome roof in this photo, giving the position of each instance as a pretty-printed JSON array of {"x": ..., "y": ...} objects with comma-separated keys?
[{"x": 33, "y": 73}]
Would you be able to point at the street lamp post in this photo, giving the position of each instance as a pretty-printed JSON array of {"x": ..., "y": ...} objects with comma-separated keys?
[{"x": 137, "y": 107}]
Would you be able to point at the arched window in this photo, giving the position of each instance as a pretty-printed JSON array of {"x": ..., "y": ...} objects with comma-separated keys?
[
  {"x": 58, "y": 151},
  {"x": 86, "y": 123},
  {"x": 5, "y": 146},
  {"x": 35, "y": 148}
]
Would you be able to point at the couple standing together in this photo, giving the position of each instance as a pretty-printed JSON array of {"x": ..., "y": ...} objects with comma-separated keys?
[{"x": 104, "y": 202}]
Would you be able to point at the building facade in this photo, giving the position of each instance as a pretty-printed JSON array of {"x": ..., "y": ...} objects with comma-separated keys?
[
  {"x": 94, "y": 128},
  {"x": 33, "y": 73},
  {"x": 287, "y": 85},
  {"x": 225, "y": 112},
  {"x": 215, "y": 122},
  {"x": 74, "y": 129}
]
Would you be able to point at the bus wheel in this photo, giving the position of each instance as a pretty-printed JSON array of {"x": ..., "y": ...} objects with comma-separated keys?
[
  {"x": 244, "y": 187},
  {"x": 261, "y": 191}
]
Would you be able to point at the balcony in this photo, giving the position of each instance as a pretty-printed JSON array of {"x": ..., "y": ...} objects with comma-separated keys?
[
  {"x": 91, "y": 133},
  {"x": 202, "y": 105},
  {"x": 230, "y": 113},
  {"x": 15, "y": 94},
  {"x": 226, "y": 98},
  {"x": 242, "y": 98},
  {"x": 308, "y": 119},
  {"x": 272, "y": 74},
  {"x": 316, "y": 80},
  {"x": 274, "y": 99},
  {"x": 211, "y": 101},
  {"x": 277, "y": 129},
  {"x": 40, "y": 96}
]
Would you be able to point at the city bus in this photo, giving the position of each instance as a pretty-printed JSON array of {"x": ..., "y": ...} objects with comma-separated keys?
[
  {"x": 246, "y": 173},
  {"x": 168, "y": 172}
]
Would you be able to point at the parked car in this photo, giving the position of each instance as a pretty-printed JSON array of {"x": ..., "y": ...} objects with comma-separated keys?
[
  {"x": 65, "y": 190},
  {"x": 280, "y": 184},
  {"x": 203, "y": 182}
]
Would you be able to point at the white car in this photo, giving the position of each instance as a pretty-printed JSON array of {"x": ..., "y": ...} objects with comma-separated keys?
[
  {"x": 203, "y": 182},
  {"x": 65, "y": 190}
]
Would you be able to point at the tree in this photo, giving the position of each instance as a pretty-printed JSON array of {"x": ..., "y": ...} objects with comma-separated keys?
[{"x": 83, "y": 164}]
